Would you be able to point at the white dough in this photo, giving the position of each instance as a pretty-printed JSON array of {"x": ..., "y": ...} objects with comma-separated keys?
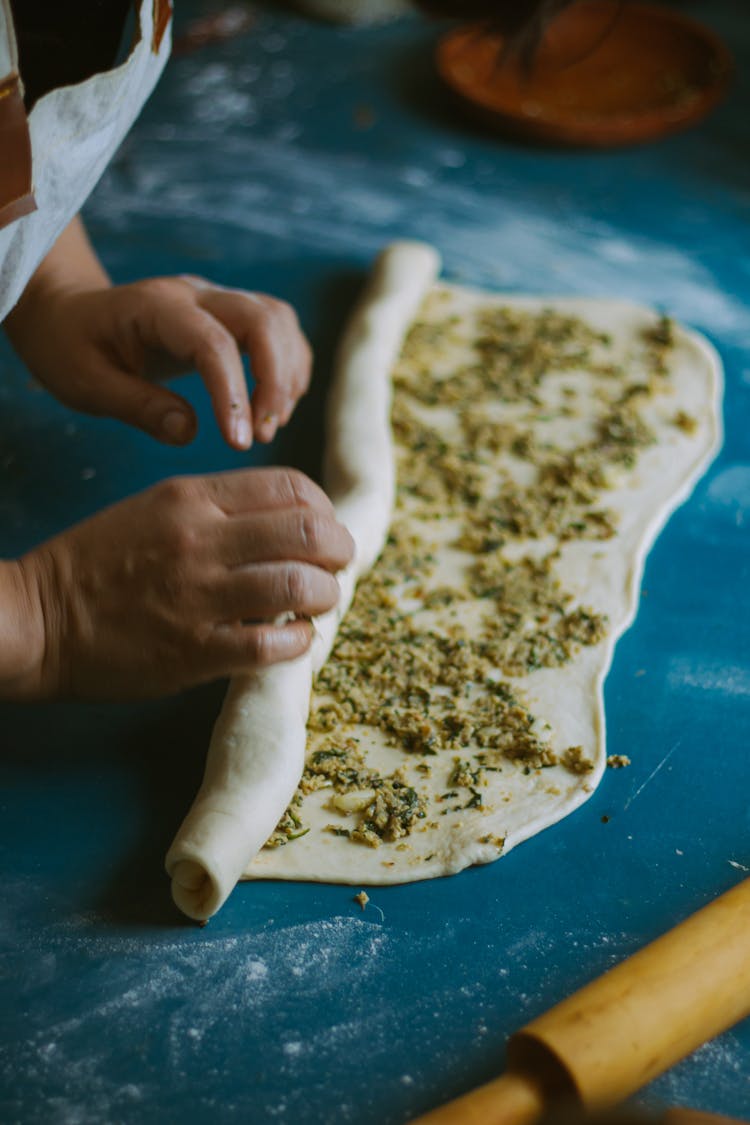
[{"x": 257, "y": 750}]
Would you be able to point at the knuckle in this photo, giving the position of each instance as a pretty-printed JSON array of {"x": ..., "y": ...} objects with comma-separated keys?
[
  {"x": 176, "y": 500},
  {"x": 311, "y": 532},
  {"x": 174, "y": 492},
  {"x": 260, "y": 646},
  {"x": 296, "y": 588},
  {"x": 216, "y": 339},
  {"x": 302, "y": 490},
  {"x": 156, "y": 289},
  {"x": 277, "y": 308},
  {"x": 330, "y": 592},
  {"x": 286, "y": 315},
  {"x": 185, "y": 540}
]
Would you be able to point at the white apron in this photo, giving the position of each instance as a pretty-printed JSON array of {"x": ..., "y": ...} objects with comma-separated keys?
[{"x": 73, "y": 132}]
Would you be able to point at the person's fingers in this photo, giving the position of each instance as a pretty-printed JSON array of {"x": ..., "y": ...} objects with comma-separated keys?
[
  {"x": 116, "y": 394},
  {"x": 263, "y": 591},
  {"x": 280, "y": 357},
  {"x": 238, "y": 647},
  {"x": 301, "y": 534},
  {"x": 253, "y": 490},
  {"x": 171, "y": 319}
]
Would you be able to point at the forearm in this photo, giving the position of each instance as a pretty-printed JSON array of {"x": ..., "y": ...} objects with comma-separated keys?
[
  {"x": 21, "y": 632},
  {"x": 70, "y": 265}
]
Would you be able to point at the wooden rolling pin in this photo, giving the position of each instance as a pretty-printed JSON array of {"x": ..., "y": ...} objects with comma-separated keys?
[{"x": 608, "y": 1040}]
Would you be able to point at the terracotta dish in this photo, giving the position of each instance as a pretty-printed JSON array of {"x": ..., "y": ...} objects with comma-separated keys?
[{"x": 608, "y": 72}]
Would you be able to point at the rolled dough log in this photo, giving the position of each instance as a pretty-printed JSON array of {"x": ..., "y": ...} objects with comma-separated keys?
[{"x": 256, "y": 755}]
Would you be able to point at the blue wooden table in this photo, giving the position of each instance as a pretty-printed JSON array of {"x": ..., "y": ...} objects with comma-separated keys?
[{"x": 283, "y": 160}]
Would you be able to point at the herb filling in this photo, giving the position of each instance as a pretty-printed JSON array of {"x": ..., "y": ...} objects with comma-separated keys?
[{"x": 425, "y": 661}]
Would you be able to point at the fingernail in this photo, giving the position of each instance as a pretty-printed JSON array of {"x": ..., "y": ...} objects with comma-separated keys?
[
  {"x": 175, "y": 426},
  {"x": 269, "y": 424},
  {"x": 241, "y": 432}
]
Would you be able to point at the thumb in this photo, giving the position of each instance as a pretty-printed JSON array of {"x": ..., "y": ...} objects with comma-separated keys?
[{"x": 163, "y": 415}]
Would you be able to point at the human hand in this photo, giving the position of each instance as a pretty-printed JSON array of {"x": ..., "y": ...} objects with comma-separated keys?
[
  {"x": 95, "y": 348},
  {"x": 177, "y": 586}
]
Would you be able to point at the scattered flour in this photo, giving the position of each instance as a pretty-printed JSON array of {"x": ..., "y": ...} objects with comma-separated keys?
[
  {"x": 165, "y": 1009},
  {"x": 270, "y": 1023},
  {"x": 509, "y": 243},
  {"x": 716, "y": 678},
  {"x": 715, "y": 1071}
]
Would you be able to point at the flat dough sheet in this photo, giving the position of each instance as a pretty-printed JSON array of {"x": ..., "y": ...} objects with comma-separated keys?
[{"x": 540, "y": 446}]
